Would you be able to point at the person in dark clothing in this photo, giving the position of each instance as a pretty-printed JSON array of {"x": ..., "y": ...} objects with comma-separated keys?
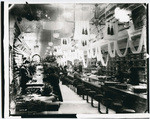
[
  {"x": 25, "y": 76},
  {"x": 120, "y": 75},
  {"x": 57, "y": 70},
  {"x": 80, "y": 68},
  {"x": 77, "y": 77},
  {"x": 65, "y": 72},
  {"x": 53, "y": 80},
  {"x": 32, "y": 69},
  {"x": 134, "y": 74}
]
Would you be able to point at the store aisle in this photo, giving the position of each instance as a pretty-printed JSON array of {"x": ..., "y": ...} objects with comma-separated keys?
[
  {"x": 75, "y": 104},
  {"x": 69, "y": 95}
]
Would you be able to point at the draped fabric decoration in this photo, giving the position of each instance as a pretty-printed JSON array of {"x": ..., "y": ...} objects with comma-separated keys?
[
  {"x": 66, "y": 43},
  {"x": 111, "y": 31},
  {"x": 83, "y": 59},
  {"x": 142, "y": 41},
  {"x": 100, "y": 57},
  {"x": 111, "y": 53},
  {"x": 89, "y": 53},
  {"x": 89, "y": 50},
  {"x": 82, "y": 30},
  {"x": 119, "y": 52},
  {"x": 98, "y": 54},
  {"x": 93, "y": 50}
]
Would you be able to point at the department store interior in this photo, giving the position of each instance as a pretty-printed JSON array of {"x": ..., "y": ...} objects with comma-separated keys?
[{"x": 78, "y": 58}]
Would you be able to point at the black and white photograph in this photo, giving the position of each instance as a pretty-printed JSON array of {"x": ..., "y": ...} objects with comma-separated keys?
[{"x": 63, "y": 59}]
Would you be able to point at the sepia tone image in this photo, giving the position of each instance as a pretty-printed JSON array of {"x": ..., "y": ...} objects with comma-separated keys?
[{"x": 78, "y": 58}]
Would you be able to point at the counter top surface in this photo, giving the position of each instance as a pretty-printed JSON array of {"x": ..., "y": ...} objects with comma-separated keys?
[
  {"x": 98, "y": 85},
  {"x": 142, "y": 95}
]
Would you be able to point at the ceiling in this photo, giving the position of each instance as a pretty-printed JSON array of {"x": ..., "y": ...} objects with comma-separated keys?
[{"x": 43, "y": 20}]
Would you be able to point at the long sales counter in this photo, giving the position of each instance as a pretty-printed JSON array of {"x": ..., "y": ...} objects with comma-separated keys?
[{"x": 130, "y": 99}]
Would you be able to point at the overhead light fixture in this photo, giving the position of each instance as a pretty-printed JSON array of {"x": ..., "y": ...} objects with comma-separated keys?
[
  {"x": 50, "y": 44},
  {"x": 56, "y": 35},
  {"x": 122, "y": 15}
]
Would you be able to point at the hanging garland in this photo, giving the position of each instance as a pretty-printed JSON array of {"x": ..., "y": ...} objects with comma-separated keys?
[
  {"x": 141, "y": 42},
  {"x": 119, "y": 52},
  {"x": 94, "y": 53},
  {"x": 84, "y": 63},
  {"x": 100, "y": 57},
  {"x": 89, "y": 53},
  {"x": 111, "y": 53}
]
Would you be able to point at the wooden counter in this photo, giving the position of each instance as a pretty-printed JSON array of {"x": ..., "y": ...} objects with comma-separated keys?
[{"x": 129, "y": 99}]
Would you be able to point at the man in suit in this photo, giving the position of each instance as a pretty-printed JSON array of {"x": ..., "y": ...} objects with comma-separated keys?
[{"x": 25, "y": 76}]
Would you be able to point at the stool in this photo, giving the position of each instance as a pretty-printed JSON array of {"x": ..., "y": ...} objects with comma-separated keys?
[
  {"x": 80, "y": 89},
  {"x": 86, "y": 93},
  {"x": 99, "y": 98},
  {"x": 85, "y": 90},
  {"x": 92, "y": 94},
  {"x": 128, "y": 111},
  {"x": 117, "y": 107},
  {"x": 107, "y": 104}
]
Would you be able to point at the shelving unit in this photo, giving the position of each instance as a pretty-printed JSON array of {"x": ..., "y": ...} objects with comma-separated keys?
[{"x": 138, "y": 60}]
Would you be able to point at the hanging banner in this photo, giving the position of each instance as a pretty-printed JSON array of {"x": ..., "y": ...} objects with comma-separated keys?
[{"x": 82, "y": 30}]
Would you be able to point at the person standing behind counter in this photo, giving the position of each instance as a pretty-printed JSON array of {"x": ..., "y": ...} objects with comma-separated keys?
[
  {"x": 99, "y": 69},
  {"x": 134, "y": 74},
  {"x": 25, "y": 76}
]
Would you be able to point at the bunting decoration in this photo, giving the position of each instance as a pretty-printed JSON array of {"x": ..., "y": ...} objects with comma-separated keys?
[
  {"x": 142, "y": 41},
  {"x": 119, "y": 52},
  {"x": 82, "y": 30},
  {"x": 100, "y": 57},
  {"x": 111, "y": 53}
]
